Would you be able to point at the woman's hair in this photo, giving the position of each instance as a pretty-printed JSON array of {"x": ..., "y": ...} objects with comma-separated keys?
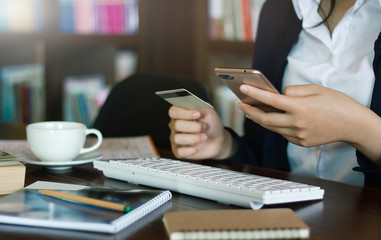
[{"x": 326, "y": 17}]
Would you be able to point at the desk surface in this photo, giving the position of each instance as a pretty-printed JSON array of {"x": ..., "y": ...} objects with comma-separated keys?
[{"x": 347, "y": 212}]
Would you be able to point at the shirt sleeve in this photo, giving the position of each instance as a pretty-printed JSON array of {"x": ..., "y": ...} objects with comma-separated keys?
[
  {"x": 250, "y": 146},
  {"x": 371, "y": 171}
]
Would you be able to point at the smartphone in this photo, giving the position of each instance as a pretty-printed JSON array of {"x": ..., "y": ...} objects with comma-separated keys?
[
  {"x": 235, "y": 77},
  {"x": 184, "y": 99}
]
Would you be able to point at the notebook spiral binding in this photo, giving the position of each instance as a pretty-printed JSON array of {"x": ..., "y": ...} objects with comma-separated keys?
[{"x": 141, "y": 211}]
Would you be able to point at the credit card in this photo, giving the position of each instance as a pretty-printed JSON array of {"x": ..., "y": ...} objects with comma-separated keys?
[{"x": 184, "y": 99}]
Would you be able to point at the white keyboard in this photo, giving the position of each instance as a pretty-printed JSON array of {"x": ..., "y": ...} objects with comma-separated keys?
[{"x": 226, "y": 186}]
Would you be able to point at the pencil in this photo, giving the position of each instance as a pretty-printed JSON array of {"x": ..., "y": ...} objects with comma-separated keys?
[{"x": 86, "y": 200}]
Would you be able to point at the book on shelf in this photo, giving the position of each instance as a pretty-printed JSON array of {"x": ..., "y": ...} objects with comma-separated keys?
[
  {"x": 234, "y": 20},
  {"x": 235, "y": 224},
  {"x": 66, "y": 11},
  {"x": 22, "y": 93},
  {"x": 83, "y": 13},
  {"x": 30, "y": 207},
  {"x": 20, "y": 16},
  {"x": 99, "y": 16},
  {"x": 126, "y": 64},
  {"x": 12, "y": 173},
  {"x": 83, "y": 96},
  {"x": 247, "y": 28}
]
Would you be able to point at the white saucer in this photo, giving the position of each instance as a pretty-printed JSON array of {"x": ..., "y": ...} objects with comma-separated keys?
[{"x": 29, "y": 158}]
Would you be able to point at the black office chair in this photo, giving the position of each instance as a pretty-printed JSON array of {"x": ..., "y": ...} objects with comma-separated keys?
[
  {"x": 9, "y": 130},
  {"x": 132, "y": 107}
]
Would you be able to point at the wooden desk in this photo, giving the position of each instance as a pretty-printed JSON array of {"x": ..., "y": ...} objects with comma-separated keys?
[{"x": 347, "y": 212}]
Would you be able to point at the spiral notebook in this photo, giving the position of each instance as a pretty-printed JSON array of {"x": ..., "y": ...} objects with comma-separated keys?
[
  {"x": 235, "y": 224},
  {"x": 30, "y": 208}
]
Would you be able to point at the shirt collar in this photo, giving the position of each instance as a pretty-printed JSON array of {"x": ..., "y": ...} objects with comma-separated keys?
[{"x": 299, "y": 5}]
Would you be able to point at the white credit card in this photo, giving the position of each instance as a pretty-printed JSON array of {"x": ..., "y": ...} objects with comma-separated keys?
[{"x": 184, "y": 99}]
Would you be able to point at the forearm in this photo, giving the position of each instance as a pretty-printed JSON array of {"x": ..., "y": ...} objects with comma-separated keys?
[{"x": 366, "y": 137}]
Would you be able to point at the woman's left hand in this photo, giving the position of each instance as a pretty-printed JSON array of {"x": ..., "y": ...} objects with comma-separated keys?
[{"x": 311, "y": 114}]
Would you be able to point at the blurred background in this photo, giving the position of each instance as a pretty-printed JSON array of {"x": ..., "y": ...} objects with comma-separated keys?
[{"x": 60, "y": 58}]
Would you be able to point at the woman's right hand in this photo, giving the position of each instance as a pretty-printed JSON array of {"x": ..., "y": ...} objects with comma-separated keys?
[{"x": 198, "y": 134}]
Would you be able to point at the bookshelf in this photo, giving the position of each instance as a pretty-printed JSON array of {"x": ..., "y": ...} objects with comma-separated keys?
[
  {"x": 92, "y": 47},
  {"x": 172, "y": 39},
  {"x": 214, "y": 49},
  {"x": 217, "y": 50}
]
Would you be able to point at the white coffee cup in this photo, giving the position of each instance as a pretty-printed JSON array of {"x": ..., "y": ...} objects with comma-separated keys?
[{"x": 60, "y": 141}]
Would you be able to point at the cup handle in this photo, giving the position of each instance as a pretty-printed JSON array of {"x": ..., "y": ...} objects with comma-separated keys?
[{"x": 97, "y": 144}]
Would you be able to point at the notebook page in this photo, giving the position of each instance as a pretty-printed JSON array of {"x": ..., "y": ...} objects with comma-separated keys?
[{"x": 111, "y": 148}]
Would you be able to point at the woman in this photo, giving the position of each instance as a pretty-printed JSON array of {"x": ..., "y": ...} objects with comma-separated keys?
[{"x": 325, "y": 59}]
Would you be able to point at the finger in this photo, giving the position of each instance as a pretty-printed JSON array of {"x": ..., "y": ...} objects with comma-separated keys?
[
  {"x": 184, "y": 152},
  {"x": 284, "y": 131},
  {"x": 274, "y": 100},
  {"x": 186, "y": 126},
  {"x": 182, "y": 113},
  {"x": 293, "y": 140},
  {"x": 288, "y": 133},
  {"x": 187, "y": 139},
  {"x": 302, "y": 90},
  {"x": 266, "y": 119}
]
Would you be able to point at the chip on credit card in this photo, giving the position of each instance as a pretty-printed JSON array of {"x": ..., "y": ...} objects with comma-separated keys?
[{"x": 184, "y": 99}]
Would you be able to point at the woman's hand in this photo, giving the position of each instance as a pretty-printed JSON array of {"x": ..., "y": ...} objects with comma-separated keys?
[
  {"x": 198, "y": 134},
  {"x": 314, "y": 115}
]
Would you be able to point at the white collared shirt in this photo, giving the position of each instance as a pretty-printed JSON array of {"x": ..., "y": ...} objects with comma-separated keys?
[{"x": 343, "y": 62}]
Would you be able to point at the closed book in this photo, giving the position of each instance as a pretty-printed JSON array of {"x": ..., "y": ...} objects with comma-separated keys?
[
  {"x": 78, "y": 90},
  {"x": 12, "y": 174},
  {"x": 84, "y": 16},
  {"x": 246, "y": 24},
  {"x": 131, "y": 16},
  {"x": 235, "y": 224},
  {"x": 29, "y": 207},
  {"x": 31, "y": 76}
]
